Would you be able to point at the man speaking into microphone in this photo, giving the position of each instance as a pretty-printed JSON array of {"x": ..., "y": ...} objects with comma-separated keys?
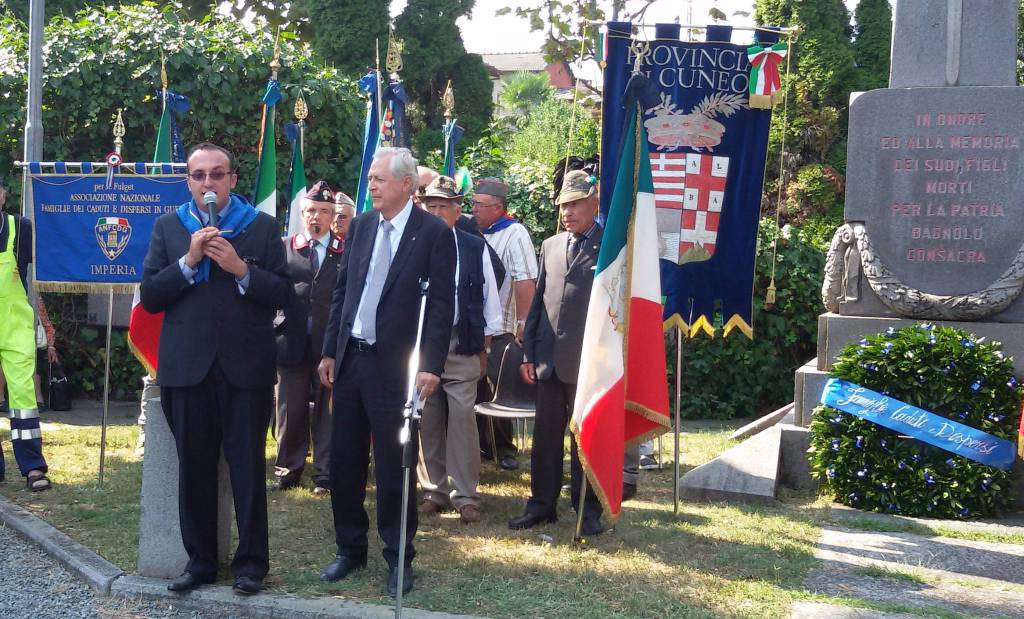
[{"x": 218, "y": 270}]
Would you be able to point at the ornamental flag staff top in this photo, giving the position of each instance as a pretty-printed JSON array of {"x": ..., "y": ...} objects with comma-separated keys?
[{"x": 707, "y": 149}]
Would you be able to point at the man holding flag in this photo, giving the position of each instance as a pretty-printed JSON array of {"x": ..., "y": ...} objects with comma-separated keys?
[{"x": 552, "y": 345}]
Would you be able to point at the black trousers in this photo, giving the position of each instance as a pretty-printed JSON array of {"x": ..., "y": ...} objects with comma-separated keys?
[
  {"x": 503, "y": 432},
  {"x": 204, "y": 419},
  {"x": 365, "y": 406},
  {"x": 554, "y": 409}
]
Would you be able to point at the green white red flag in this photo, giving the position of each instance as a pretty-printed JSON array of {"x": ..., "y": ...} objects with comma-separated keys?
[{"x": 622, "y": 390}]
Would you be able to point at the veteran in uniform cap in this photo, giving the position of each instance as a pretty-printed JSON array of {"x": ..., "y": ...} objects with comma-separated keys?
[
  {"x": 449, "y": 466},
  {"x": 344, "y": 211},
  {"x": 314, "y": 257},
  {"x": 552, "y": 344},
  {"x": 511, "y": 241}
]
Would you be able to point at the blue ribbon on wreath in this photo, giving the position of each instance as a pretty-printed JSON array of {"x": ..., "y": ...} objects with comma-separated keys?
[{"x": 918, "y": 423}]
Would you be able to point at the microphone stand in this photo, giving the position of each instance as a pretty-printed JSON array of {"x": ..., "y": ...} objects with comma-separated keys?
[{"x": 409, "y": 439}]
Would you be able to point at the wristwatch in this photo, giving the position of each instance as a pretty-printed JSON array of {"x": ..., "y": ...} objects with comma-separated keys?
[{"x": 520, "y": 323}]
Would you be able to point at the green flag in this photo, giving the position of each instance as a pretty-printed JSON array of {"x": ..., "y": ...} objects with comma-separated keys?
[
  {"x": 265, "y": 197},
  {"x": 162, "y": 151}
]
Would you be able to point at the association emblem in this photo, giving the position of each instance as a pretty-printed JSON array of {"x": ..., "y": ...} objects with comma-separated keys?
[
  {"x": 689, "y": 187},
  {"x": 112, "y": 233}
]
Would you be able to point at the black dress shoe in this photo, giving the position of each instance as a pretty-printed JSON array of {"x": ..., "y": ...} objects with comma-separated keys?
[
  {"x": 393, "y": 581},
  {"x": 591, "y": 526},
  {"x": 283, "y": 483},
  {"x": 528, "y": 520},
  {"x": 187, "y": 582},
  {"x": 628, "y": 491},
  {"x": 509, "y": 463},
  {"x": 247, "y": 585},
  {"x": 341, "y": 567}
]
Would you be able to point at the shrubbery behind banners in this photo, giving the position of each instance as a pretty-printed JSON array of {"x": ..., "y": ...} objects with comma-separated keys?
[{"x": 946, "y": 371}]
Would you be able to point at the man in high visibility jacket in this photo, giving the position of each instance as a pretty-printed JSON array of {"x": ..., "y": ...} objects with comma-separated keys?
[{"x": 18, "y": 348}]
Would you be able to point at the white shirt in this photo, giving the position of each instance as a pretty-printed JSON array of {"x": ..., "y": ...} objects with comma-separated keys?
[
  {"x": 492, "y": 308},
  {"x": 514, "y": 248},
  {"x": 398, "y": 221}
]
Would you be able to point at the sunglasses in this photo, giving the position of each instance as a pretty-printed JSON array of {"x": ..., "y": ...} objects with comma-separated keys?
[{"x": 214, "y": 176}]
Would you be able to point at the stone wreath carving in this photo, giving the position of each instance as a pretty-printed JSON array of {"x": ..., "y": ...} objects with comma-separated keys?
[{"x": 851, "y": 254}]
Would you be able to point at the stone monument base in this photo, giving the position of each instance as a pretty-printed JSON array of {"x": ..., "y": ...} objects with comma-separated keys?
[{"x": 161, "y": 553}]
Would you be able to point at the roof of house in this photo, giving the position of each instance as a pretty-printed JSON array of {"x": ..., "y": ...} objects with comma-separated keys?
[{"x": 509, "y": 63}]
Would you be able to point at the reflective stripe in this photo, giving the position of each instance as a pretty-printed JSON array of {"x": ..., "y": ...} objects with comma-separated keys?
[
  {"x": 25, "y": 435},
  {"x": 24, "y": 413}
]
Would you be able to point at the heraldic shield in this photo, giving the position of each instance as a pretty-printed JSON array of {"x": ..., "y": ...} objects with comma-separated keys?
[
  {"x": 689, "y": 187},
  {"x": 112, "y": 233}
]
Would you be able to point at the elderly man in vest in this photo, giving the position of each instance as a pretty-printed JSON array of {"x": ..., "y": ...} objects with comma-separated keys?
[
  {"x": 449, "y": 467},
  {"x": 314, "y": 256}
]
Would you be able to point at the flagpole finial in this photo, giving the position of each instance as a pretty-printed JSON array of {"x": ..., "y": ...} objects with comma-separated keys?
[
  {"x": 393, "y": 60},
  {"x": 448, "y": 100},
  {"x": 639, "y": 50},
  {"x": 118, "y": 132},
  {"x": 301, "y": 110},
  {"x": 275, "y": 64},
  {"x": 163, "y": 72}
]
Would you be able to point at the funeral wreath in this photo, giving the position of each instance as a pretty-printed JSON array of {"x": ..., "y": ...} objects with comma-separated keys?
[{"x": 961, "y": 380}]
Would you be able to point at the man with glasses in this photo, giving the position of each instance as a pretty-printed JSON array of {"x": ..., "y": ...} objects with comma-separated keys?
[
  {"x": 220, "y": 286},
  {"x": 511, "y": 241},
  {"x": 314, "y": 257},
  {"x": 344, "y": 211}
]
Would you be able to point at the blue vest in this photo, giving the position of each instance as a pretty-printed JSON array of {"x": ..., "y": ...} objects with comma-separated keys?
[{"x": 470, "y": 328}]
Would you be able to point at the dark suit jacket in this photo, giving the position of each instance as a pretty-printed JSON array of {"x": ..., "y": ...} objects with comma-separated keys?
[
  {"x": 553, "y": 337},
  {"x": 426, "y": 250},
  {"x": 311, "y": 297},
  {"x": 211, "y": 320}
]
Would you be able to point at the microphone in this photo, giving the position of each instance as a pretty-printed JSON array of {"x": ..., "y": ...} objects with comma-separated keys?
[{"x": 210, "y": 200}]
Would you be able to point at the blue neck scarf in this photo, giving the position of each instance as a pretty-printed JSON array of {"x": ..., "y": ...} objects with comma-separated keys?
[
  {"x": 234, "y": 219},
  {"x": 502, "y": 223}
]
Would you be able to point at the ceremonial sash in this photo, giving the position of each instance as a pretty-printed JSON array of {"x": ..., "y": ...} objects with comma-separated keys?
[
  {"x": 235, "y": 218},
  {"x": 918, "y": 423}
]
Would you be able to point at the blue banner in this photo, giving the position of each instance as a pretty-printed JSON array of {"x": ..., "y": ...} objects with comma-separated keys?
[
  {"x": 918, "y": 423},
  {"x": 90, "y": 236},
  {"x": 707, "y": 151}
]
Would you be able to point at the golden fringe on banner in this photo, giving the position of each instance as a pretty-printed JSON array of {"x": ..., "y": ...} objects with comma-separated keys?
[
  {"x": 82, "y": 287},
  {"x": 701, "y": 324}
]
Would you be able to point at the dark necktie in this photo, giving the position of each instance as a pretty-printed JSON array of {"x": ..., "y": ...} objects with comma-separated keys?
[
  {"x": 314, "y": 256},
  {"x": 575, "y": 243}
]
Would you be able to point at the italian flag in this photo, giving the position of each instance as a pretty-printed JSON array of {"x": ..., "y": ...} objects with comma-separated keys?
[
  {"x": 144, "y": 327},
  {"x": 297, "y": 188},
  {"x": 266, "y": 172},
  {"x": 622, "y": 390}
]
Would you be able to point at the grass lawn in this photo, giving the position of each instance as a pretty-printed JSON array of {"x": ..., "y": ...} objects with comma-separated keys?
[{"x": 710, "y": 560}]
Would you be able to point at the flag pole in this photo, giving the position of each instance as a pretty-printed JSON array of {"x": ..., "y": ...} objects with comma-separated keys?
[
  {"x": 678, "y": 415},
  {"x": 580, "y": 502},
  {"x": 118, "y": 144}
]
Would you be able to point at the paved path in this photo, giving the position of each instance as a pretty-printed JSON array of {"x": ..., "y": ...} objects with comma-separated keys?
[
  {"x": 34, "y": 586},
  {"x": 920, "y": 573}
]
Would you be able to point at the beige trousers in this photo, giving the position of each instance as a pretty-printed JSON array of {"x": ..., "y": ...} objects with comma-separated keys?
[{"x": 449, "y": 466}]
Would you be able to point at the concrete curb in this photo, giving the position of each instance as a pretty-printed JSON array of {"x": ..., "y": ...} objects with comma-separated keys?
[
  {"x": 219, "y": 600},
  {"x": 96, "y": 571},
  {"x": 222, "y": 600}
]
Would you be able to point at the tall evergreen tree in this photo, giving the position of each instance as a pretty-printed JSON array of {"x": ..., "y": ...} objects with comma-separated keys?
[
  {"x": 345, "y": 34},
  {"x": 872, "y": 44},
  {"x": 818, "y": 91},
  {"x": 433, "y": 54}
]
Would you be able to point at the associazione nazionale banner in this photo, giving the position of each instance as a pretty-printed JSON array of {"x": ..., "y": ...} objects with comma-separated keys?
[{"x": 92, "y": 230}]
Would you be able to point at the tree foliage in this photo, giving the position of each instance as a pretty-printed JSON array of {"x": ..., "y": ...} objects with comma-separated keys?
[
  {"x": 545, "y": 135},
  {"x": 346, "y": 34},
  {"x": 109, "y": 58},
  {"x": 872, "y": 43},
  {"x": 523, "y": 91},
  {"x": 817, "y": 91},
  {"x": 434, "y": 54}
]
